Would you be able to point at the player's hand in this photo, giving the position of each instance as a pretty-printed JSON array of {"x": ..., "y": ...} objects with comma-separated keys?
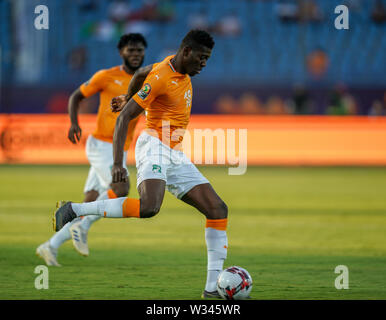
[
  {"x": 119, "y": 173},
  {"x": 118, "y": 103},
  {"x": 75, "y": 133}
]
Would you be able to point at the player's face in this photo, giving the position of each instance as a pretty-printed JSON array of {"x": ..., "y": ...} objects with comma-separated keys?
[
  {"x": 133, "y": 55},
  {"x": 196, "y": 60}
]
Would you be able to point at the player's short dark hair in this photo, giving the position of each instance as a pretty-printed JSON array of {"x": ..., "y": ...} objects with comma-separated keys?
[
  {"x": 131, "y": 38},
  {"x": 197, "y": 38}
]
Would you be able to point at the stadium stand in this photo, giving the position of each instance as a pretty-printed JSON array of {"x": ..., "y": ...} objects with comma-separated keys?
[
  {"x": 259, "y": 44},
  {"x": 268, "y": 49}
]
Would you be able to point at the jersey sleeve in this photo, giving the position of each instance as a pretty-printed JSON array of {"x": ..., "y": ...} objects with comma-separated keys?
[
  {"x": 153, "y": 87},
  {"x": 94, "y": 85}
]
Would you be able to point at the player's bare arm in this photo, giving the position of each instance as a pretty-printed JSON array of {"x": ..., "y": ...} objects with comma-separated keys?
[
  {"x": 75, "y": 132},
  {"x": 135, "y": 85},
  {"x": 130, "y": 111}
]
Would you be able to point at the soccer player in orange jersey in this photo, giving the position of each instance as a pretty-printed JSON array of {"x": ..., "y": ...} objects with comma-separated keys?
[
  {"x": 108, "y": 83},
  {"x": 166, "y": 97}
]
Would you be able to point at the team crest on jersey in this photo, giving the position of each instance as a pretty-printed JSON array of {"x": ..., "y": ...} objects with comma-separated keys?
[
  {"x": 145, "y": 91},
  {"x": 188, "y": 98}
]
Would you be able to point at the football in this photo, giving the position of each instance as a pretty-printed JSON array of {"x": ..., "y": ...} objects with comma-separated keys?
[{"x": 234, "y": 283}]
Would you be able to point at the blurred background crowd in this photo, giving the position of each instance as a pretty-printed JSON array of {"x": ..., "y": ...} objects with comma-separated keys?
[{"x": 271, "y": 57}]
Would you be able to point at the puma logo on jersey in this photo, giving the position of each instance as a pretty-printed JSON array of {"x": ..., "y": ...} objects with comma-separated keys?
[
  {"x": 118, "y": 82},
  {"x": 175, "y": 82},
  {"x": 157, "y": 76}
]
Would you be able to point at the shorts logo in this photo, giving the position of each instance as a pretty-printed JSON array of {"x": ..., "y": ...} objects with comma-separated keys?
[
  {"x": 156, "y": 168},
  {"x": 145, "y": 91}
]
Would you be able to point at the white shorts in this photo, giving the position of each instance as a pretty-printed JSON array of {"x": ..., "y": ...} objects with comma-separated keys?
[
  {"x": 155, "y": 160},
  {"x": 100, "y": 156}
]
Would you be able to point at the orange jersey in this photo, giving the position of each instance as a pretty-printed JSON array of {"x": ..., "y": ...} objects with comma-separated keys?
[
  {"x": 166, "y": 97},
  {"x": 109, "y": 83}
]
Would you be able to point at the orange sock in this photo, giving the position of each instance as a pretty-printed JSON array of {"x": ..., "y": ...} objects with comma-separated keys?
[
  {"x": 218, "y": 224},
  {"x": 111, "y": 194},
  {"x": 130, "y": 208}
]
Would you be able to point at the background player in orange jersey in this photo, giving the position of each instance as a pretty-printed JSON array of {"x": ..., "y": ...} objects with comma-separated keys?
[
  {"x": 166, "y": 96},
  {"x": 108, "y": 83}
]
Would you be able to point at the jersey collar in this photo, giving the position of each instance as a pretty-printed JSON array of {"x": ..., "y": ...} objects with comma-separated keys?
[
  {"x": 171, "y": 66},
  {"x": 174, "y": 70}
]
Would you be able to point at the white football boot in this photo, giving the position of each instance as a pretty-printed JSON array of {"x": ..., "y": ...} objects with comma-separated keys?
[
  {"x": 48, "y": 254},
  {"x": 79, "y": 238}
]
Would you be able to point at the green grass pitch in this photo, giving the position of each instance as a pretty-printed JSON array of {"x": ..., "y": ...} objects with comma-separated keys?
[{"x": 289, "y": 227}]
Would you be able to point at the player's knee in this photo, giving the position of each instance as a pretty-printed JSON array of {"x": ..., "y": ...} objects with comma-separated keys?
[
  {"x": 218, "y": 210},
  {"x": 90, "y": 196},
  {"x": 148, "y": 211},
  {"x": 120, "y": 189},
  {"x": 223, "y": 210}
]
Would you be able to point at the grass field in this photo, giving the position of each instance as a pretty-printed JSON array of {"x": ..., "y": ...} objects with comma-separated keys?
[{"x": 289, "y": 227}]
